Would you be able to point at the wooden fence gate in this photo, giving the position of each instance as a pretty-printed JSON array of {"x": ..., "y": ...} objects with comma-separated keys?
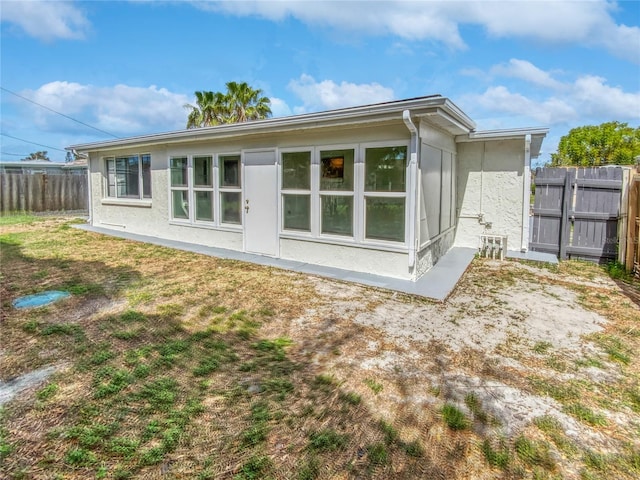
[{"x": 575, "y": 212}]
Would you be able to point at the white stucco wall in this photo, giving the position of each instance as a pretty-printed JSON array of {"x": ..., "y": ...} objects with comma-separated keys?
[
  {"x": 357, "y": 258},
  {"x": 490, "y": 182},
  {"x": 152, "y": 216}
]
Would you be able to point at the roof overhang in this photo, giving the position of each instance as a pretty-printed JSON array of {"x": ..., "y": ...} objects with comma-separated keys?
[
  {"x": 438, "y": 110},
  {"x": 537, "y": 136}
]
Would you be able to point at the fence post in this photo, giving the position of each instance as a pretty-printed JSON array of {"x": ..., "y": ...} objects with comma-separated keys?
[{"x": 565, "y": 227}]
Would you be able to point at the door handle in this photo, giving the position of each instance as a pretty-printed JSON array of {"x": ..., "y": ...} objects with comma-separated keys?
[{"x": 246, "y": 205}]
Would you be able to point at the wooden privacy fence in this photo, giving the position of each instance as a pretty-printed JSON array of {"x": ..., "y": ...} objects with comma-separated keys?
[
  {"x": 632, "y": 256},
  {"x": 576, "y": 212},
  {"x": 41, "y": 192}
]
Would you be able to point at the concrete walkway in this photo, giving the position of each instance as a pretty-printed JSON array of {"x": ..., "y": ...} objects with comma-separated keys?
[{"x": 436, "y": 284}]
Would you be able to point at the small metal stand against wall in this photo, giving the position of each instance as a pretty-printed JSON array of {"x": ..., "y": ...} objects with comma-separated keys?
[{"x": 493, "y": 246}]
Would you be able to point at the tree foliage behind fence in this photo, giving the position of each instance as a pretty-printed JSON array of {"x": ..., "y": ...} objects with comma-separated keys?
[{"x": 41, "y": 192}]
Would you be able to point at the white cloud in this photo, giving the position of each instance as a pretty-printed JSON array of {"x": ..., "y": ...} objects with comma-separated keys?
[
  {"x": 121, "y": 109},
  {"x": 583, "y": 23},
  {"x": 279, "y": 107},
  {"x": 328, "y": 95},
  {"x": 527, "y": 71},
  {"x": 587, "y": 99},
  {"x": 46, "y": 20},
  {"x": 502, "y": 101}
]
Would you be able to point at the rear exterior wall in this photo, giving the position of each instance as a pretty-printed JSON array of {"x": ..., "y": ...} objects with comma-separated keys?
[{"x": 490, "y": 191}]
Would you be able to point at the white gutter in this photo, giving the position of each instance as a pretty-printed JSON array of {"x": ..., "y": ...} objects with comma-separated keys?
[
  {"x": 412, "y": 180},
  {"x": 526, "y": 194}
]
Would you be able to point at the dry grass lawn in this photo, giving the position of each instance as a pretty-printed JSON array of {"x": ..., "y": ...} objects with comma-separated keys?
[{"x": 169, "y": 364}]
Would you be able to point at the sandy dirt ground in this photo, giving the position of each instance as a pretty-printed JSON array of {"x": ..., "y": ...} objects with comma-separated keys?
[{"x": 483, "y": 340}]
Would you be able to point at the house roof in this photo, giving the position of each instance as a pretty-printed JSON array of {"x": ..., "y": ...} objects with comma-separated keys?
[
  {"x": 437, "y": 109},
  {"x": 42, "y": 164},
  {"x": 537, "y": 136}
]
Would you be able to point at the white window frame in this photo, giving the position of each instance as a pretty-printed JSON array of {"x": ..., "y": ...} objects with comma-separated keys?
[
  {"x": 201, "y": 188},
  {"x": 141, "y": 184},
  {"x": 314, "y": 199},
  {"x": 233, "y": 189},
  {"x": 354, "y": 193},
  {"x": 358, "y": 194},
  {"x": 383, "y": 194},
  {"x": 181, "y": 188}
]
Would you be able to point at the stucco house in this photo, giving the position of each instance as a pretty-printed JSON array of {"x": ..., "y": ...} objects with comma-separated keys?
[{"x": 385, "y": 189}]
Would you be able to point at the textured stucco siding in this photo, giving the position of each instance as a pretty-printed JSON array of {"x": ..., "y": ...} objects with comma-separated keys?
[
  {"x": 429, "y": 255},
  {"x": 490, "y": 182},
  {"x": 153, "y": 219},
  {"x": 357, "y": 258}
]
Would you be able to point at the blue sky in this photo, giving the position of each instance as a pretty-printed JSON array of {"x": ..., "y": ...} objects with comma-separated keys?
[{"x": 127, "y": 68}]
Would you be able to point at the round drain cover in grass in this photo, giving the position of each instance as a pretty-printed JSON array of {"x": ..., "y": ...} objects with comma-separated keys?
[{"x": 39, "y": 299}]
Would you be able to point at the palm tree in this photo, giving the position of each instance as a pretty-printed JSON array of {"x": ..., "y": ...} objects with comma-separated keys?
[
  {"x": 210, "y": 109},
  {"x": 246, "y": 103},
  {"x": 241, "y": 103}
]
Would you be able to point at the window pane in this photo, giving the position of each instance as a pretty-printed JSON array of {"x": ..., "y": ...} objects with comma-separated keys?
[
  {"x": 180, "y": 202},
  {"x": 337, "y": 215},
  {"x": 127, "y": 177},
  {"x": 385, "y": 218},
  {"x": 385, "y": 169},
  {"x": 202, "y": 174},
  {"x": 179, "y": 172},
  {"x": 336, "y": 170},
  {"x": 230, "y": 206},
  {"x": 297, "y": 210},
  {"x": 296, "y": 170},
  {"x": 230, "y": 171},
  {"x": 146, "y": 176},
  {"x": 111, "y": 177},
  {"x": 204, "y": 206}
]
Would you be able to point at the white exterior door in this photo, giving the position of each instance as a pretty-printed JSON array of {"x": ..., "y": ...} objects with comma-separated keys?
[{"x": 261, "y": 202}]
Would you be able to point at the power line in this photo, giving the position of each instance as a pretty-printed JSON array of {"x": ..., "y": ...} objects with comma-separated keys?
[
  {"x": 15, "y": 154},
  {"x": 34, "y": 143},
  {"x": 54, "y": 111}
]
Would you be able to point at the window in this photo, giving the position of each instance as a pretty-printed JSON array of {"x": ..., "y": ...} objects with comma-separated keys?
[
  {"x": 126, "y": 176},
  {"x": 203, "y": 188},
  {"x": 230, "y": 189},
  {"x": 296, "y": 191},
  {"x": 336, "y": 191},
  {"x": 179, "y": 187},
  {"x": 385, "y": 193}
]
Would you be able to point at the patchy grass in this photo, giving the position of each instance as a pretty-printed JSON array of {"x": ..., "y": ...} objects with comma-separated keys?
[
  {"x": 178, "y": 364},
  {"x": 454, "y": 417}
]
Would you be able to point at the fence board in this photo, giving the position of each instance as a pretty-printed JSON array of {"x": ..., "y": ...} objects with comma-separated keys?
[
  {"x": 576, "y": 212},
  {"x": 41, "y": 192}
]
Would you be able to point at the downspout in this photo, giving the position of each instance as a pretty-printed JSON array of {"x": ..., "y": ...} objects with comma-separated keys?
[
  {"x": 526, "y": 192},
  {"x": 89, "y": 191},
  {"x": 413, "y": 179}
]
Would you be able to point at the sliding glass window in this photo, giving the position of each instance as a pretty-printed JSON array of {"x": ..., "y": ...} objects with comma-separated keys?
[{"x": 128, "y": 176}]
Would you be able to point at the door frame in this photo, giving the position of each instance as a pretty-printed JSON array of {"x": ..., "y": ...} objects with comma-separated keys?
[{"x": 274, "y": 191}]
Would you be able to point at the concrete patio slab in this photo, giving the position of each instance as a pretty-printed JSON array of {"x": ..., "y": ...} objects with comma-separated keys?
[{"x": 437, "y": 284}]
